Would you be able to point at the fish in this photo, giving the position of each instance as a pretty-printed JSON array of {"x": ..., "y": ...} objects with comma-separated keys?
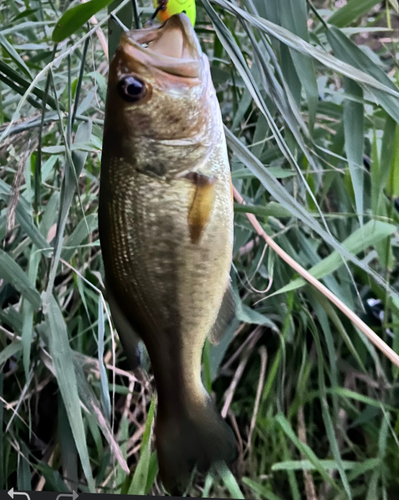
[{"x": 166, "y": 232}]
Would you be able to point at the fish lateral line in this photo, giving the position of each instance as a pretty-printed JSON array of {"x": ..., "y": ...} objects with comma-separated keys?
[{"x": 202, "y": 204}]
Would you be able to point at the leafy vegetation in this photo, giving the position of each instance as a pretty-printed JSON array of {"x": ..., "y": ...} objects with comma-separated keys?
[{"x": 310, "y": 99}]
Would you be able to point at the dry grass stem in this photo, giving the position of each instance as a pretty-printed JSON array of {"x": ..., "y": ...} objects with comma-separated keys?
[
  {"x": 263, "y": 362},
  {"x": 307, "y": 475}
]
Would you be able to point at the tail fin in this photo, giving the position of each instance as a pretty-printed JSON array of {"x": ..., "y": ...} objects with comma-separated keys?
[{"x": 186, "y": 440}]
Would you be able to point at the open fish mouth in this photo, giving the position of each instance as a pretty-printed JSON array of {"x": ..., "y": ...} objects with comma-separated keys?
[{"x": 172, "y": 47}]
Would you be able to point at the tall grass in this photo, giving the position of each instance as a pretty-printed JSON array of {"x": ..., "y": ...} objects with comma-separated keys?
[{"x": 310, "y": 100}]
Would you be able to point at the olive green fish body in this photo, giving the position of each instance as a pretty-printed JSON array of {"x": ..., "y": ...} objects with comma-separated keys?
[
  {"x": 166, "y": 230},
  {"x": 169, "y": 287}
]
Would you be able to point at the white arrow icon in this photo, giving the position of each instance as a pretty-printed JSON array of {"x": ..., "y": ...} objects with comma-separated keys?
[
  {"x": 72, "y": 495},
  {"x": 13, "y": 493}
]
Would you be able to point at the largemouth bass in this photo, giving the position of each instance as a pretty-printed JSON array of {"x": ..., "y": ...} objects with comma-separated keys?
[{"x": 166, "y": 232}]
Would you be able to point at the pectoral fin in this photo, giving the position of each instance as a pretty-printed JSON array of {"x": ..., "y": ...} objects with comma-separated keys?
[
  {"x": 131, "y": 342},
  {"x": 202, "y": 204},
  {"x": 225, "y": 317}
]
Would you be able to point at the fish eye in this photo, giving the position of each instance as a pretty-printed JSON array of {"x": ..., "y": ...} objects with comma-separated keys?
[{"x": 131, "y": 89}]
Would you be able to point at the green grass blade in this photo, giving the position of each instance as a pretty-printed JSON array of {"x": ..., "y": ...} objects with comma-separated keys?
[
  {"x": 354, "y": 141},
  {"x": 317, "y": 53},
  {"x": 105, "y": 399},
  {"x": 139, "y": 482},
  {"x": 304, "y": 449},
  {"x": 260, "y": 490},
  {"x": 75, "y": 17},
  {"x": 27, "y": 314},
  {"x": 61, "y": 355},
  {"x": 8, "y": 47},
  {"x": 9, "y": 351},
  {"x": 360, "y": 240},
  {"x": 11, "y": 272},
  {"x": 272, "y": 185},
  {"x": 350, "y": 12},
  {"x": 348, "y": 52},
  {"x": 294, "y": 18},
  {"x": 229, "y": 480}
]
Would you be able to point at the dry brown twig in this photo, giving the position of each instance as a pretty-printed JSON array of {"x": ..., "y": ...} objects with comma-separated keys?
[
  {"x": 257, "y": 332},
  {"x": 229, "y": 394},
  {"x": 17, "y": 183},
  {"x": 353, "y": 317},
  {"x": 263, "y": 362},
  {"x": 236, "y": 429},
  {"x": 42, "y": 480}
]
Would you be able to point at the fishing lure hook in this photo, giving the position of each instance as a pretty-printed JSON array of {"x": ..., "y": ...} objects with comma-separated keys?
[{"x": 161, "y": 6}]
